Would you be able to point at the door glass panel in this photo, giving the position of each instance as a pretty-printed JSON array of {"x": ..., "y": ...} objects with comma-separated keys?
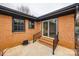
[
  {"x": 45, "y": 28},
  {"x": 52, "y": 28}
]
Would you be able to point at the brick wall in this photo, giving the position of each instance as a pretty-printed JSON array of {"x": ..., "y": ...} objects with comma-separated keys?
[
  {"x": 9, "y": 38},
  {"x": 66, "y": 31}
]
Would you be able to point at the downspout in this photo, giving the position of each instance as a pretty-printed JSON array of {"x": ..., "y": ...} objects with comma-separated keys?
[{"x": 76, "y": 18}]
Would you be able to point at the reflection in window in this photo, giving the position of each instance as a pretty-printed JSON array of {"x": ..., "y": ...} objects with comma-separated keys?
[
  {"x": 52, "y": 27},
  {"x": 45, "y": 28},
  {"x": 49, "y": 28},
  {"x": 18, "y": 25},
  {"x": 31, "y": 24}
]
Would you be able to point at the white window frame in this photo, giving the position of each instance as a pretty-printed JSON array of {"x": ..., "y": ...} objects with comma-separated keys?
[
  {"x": 48, "y": 28},
  {"x": 42, "y": 27}
]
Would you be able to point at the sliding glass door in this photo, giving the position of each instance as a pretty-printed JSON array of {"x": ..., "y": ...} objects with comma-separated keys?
[{"x": 49, "y": 28}]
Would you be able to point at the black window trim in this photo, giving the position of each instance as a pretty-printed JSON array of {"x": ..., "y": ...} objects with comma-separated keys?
[
  {"x": 13, "y": 24},
  {"x": 31, "y": 25}
]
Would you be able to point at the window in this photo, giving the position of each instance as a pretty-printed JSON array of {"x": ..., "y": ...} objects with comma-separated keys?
[
  {"x": 18, "y": 25},
  {"x": 49, "y": 28},
  {"x": 31, "y": 24}
]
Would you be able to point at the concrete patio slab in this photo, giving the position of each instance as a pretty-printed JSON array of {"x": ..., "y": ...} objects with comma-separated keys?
[{"x": 37, "y": 49}]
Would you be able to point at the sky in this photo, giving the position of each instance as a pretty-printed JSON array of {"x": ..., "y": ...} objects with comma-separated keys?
[{"x": 38, "y": 9}]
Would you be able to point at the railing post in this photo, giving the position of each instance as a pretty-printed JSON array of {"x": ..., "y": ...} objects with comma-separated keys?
[{"x": 55, "y": 43}]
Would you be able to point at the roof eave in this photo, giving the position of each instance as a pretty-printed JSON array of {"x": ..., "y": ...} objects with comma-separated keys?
[
  {"x": 60, "y": 12},
  {"x": 8, "y": 11}
]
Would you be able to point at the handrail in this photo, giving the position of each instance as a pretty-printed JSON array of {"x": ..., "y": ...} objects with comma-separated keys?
[
  {"x": 2, "y": 52},
  {"x": 36, "y": 36},
  {"x": 55, "y": 43}
]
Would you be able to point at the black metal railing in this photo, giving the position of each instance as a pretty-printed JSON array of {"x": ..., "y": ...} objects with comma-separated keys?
[
  {"x": 37, "y": 36},
  {"x": 55, "y": 43},
  {"x": 2, "y": 52}
]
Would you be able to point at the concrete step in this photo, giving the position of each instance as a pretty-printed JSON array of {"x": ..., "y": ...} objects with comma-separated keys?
[
  {"x": 47, "y": 39},
  {"x": 46, "y": 42}
]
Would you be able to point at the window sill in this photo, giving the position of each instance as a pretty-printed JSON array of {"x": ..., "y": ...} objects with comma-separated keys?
[{"x": 18, "y": 32}]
